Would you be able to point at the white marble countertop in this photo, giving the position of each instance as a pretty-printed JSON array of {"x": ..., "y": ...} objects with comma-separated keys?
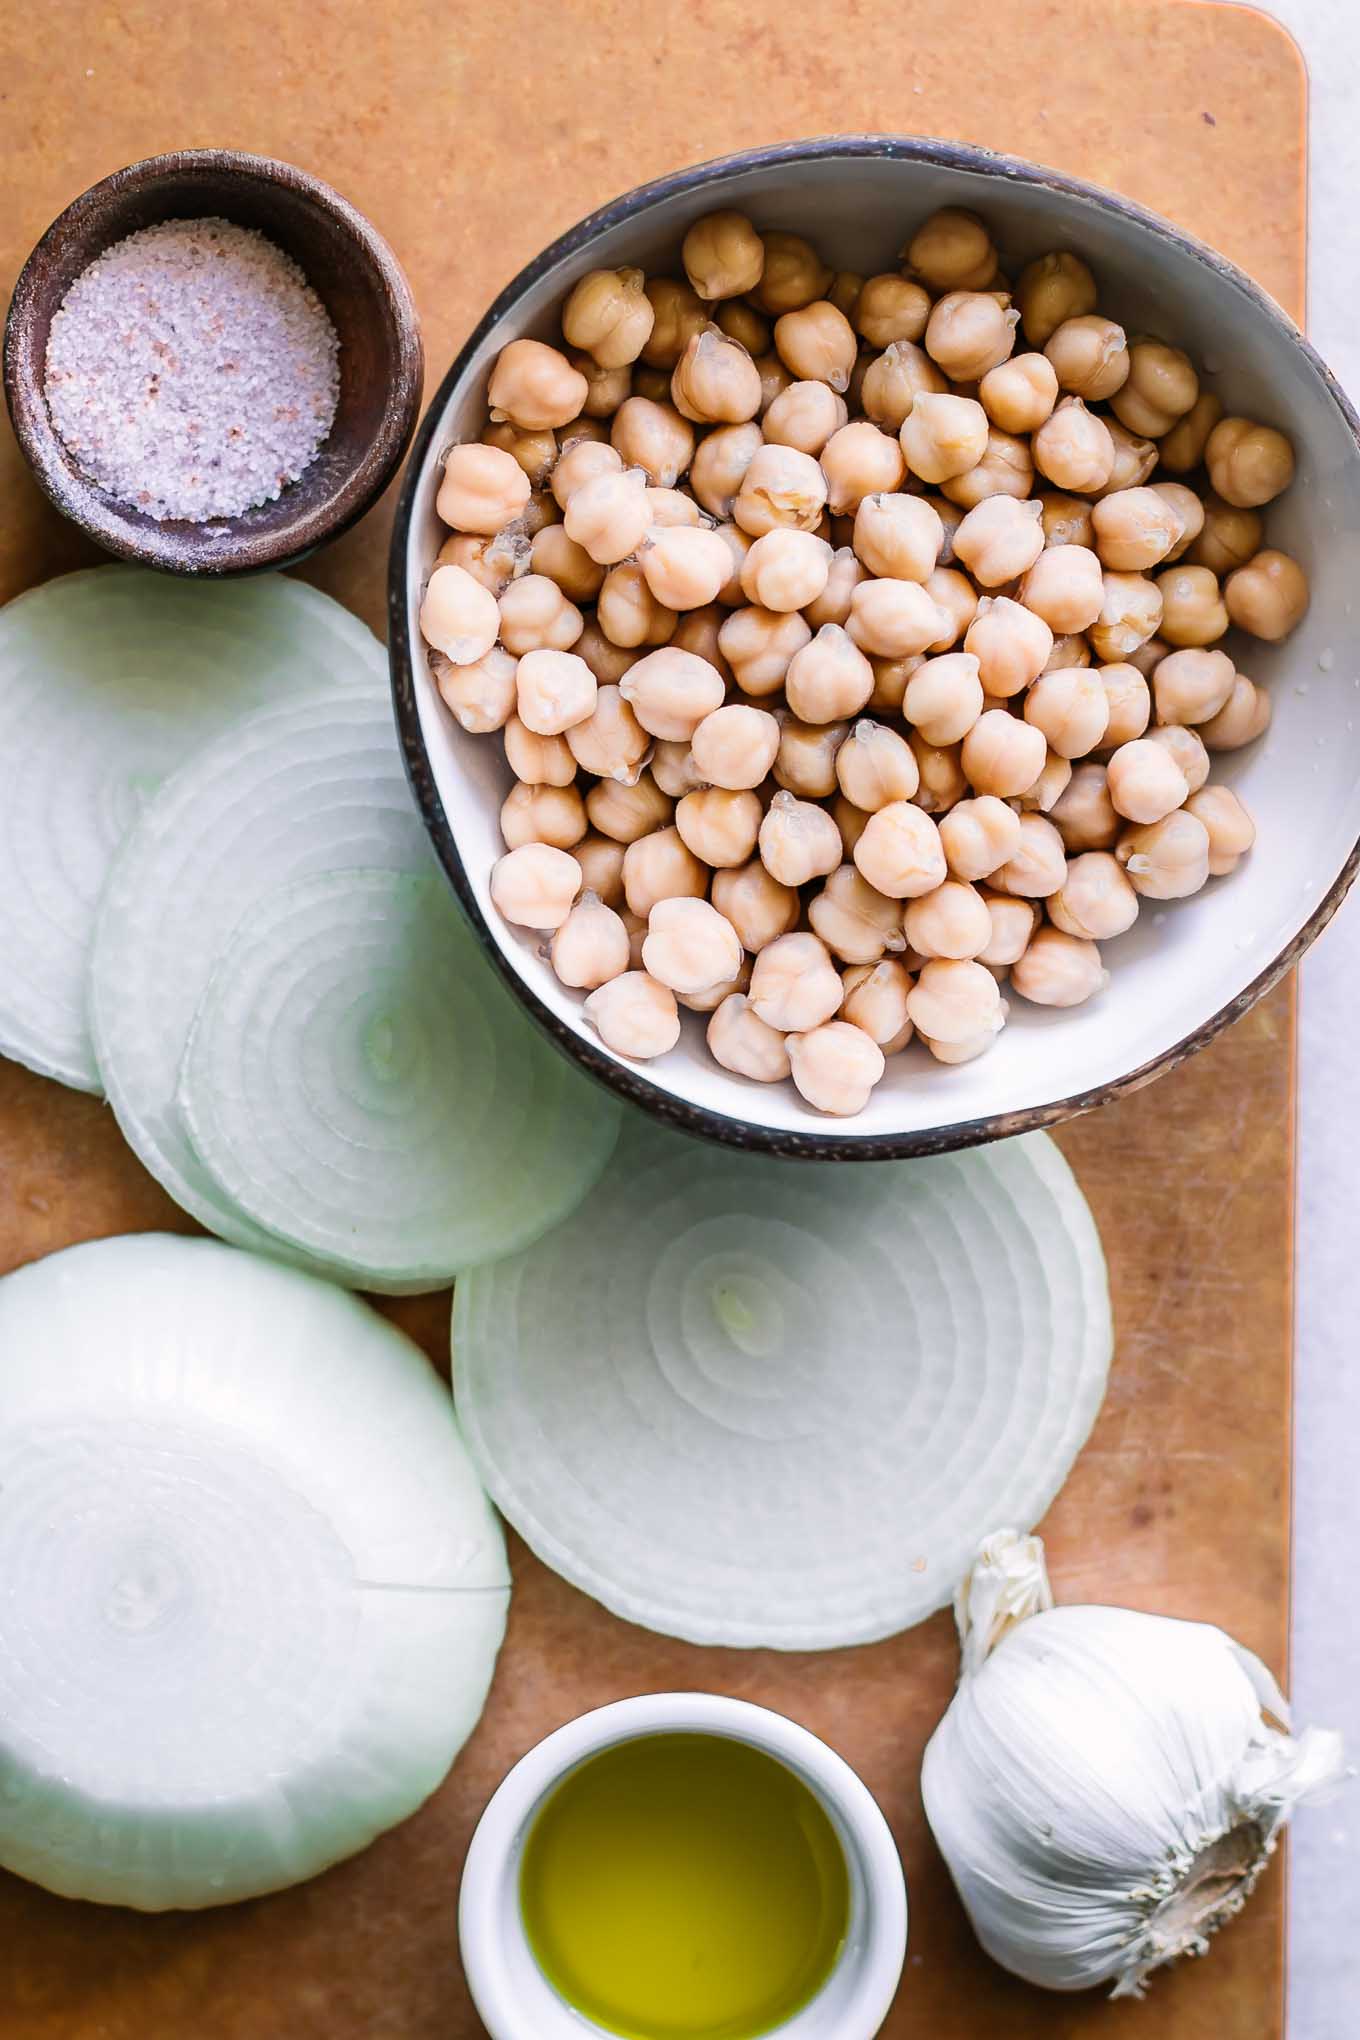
[{"x": 1324, "y": 1985}]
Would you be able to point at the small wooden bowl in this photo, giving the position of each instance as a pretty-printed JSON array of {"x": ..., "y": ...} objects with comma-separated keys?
[{"x": 353, "y": 272}]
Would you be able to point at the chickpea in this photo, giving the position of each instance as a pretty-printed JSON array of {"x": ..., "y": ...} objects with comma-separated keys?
[
  {"x": 582, "y": 462},
  {"x": 798, "y": 841},
  {"x": 1010, "y": 643},
  {"x": 482, "y": 490},
  {"x": 894, "y": 619},
  {"x": 1149, "y": 656},
  {"x": 943, "y": 436},
  {"x": 690, "y": 945},
  {"x": 890, "y": 682},
  {"x": 578, "y": 430},
  {"x": 553, "y": 690},
  {"x": 1071, "y": 710},
  {"x": 610, "y": 743},
  {"x": 540, "y": 509},
  {"x": 890, "y": 308},
  {"x": 978, "y": 837},
  {"x": 1096, "y": 902},
  {"x": 627, "y": 813},
  {"x": 684, "y": 566},
  {"x": 1089, "y": 356},
  {"x": 1244, "y": 717},
  {"x": 720, "y": 463},
  {"x": 609, "y": 316},
  {"x": 607, "y": 387},
  {"x": 970, "y": 333},
  {"x": 535, "y": 387},
  {"x": 1067, "y": 520},
  {"x": 494, "y": 562},
  {"x": 859, "y": 461},
  {"x": 1144, "y": 781},
  {"x": 1187, "y": 749},
  {"x": 844, "y": 574},
  {"x": 557, "y": 556},
  {"x": 671, "y": 691},
  {"x": 758, "y": 645},
  {"x": 673, "y": 508},
  {"x": 898, "y": 536},
  {"x": 1073, "y": 448},
  {"x": 1039, "y": 866},
  {"x": 654, "y": 437},
  {"x": 735, "y": 746},
  {"x": 774, "y": 379},
  {"x": 900, "y": 853},
  {"x": 634, "y": 1015},
  {"x": 1084, "y": 814},
  {"x": 1051, "y": 289},
  {"x": 678, "y": 313},
  {"x": 535, "y": 886},
  {"x": 805, "y": 415},
  {"x": 794, "y": 984},
  {"x": 1193, "y": 611},
  {"x": 1128, "y": 704},
  {"x": 1066, "y": 587},
  {"x": 894, "y": 379},
  {"x": 856, "y": 923},
  {"x": 875, "y": 766},
  {"x": 956, "y": 598},
  {"x": 850, "y": 820},
  {"x": 1267, "y": 597},
  {"x": 536, "y": 760},
  {"x": 944, "y": 698},
  {"x": 715, "y": 381},
  {"x": 1182, "y": 448},
  {"x": 999, "y": 540},
  {"x": 591, "y": 946},
  {"x": 817, "y": 344},
  {"x": 943, "y": 781},
  {"x": 482, "y": 694},
  {"x": 876, "y": 1001},
  {"x": 536, "y": 616},
  {"x": 781, "y": 487},
  {"x": 757, "y": 905},
  {"x": 956, "y": 1001},
  {"x": 601, "y": 863},
  {"x": 661, "y": 866},
  {"x": 458, "y": 616},
  {"x": 1069, "y": 649},
  {"x": 1230, "y": 828},
  {"x": 794, "y": 275},
  {"x": 785, "y": 569},
  {"x": 711, "y": 997},
  {"x": 608, "y": 516},
  {"x": 719, "y": 825},
  {"x": 742, "y": 322},
  {"x": 1190, "y": 686},
  {"x": 952, "y": 250},
  {"x": 835, "y": 1067},
  {"x": 952, "y": 921},
  {"x": 673, "y": 768},
  {"x": 1002, "y": 755},
  {"x": 723, "y": 256},
  {"x": 1161, "y": 386},
  {"x": 1134, "y": 459},
  {"x": 532, "y": 452},
  {"x": 606, "y": 660},
  {"x": 738, "y": 543},
  {"x": 1228, "y": 537},
  {"x": 1019, "y": 394},
  {"x": 1060, "y": 968},
  {"x": 744, "y": 1043},
  {"x": 1188, "y": 510},
  {"x": 1013, "y": 923},
  {"x": 627, "y": 611},
  {"x": 1051, "y": 784},
  {"x": 1004, "y": 470},
  {"x": 1134, "y": 529},
  {"x": 1130, "y": 612},
  {"x": 1168, "y": 860},
  {"x": 1248, "y": 464}
]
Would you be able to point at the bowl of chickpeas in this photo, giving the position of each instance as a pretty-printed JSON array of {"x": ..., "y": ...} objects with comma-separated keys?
[{"x": 870, "y": 628}]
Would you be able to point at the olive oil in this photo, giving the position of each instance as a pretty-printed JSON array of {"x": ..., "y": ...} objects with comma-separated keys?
[{"x": 684, "y": 1887}]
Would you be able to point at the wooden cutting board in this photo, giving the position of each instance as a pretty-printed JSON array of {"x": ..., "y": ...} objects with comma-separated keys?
[{"x": 472, "y": 136}]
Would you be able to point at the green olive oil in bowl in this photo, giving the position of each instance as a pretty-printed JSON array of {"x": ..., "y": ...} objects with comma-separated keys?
[{"x": 684, "y": 1887}]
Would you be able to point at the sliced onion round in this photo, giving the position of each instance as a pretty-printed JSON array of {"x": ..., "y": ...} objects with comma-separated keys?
[
  {"x": 359, "y": 1083},
  {"x": 754, "y": 1402},
  {"x": 253, "y": 1591},
  {"x": 110, "y": 679}
]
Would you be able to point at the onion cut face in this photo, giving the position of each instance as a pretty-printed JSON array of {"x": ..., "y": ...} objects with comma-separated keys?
[
  {"x": 109, "y": 680},
  {"x": 360, "y": 1084},
  {"x": 253, "y": 1591},
  {"x": 756, "y": 1402}
]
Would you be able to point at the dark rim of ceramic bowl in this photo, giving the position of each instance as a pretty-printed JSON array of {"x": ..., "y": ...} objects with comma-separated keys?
[
  {"x": 632, "y": 1083},
  {"x": 172, "y": 546}
]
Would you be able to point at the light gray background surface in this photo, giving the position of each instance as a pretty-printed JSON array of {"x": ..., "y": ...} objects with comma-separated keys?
[{"x": 1324, "y": 1989}]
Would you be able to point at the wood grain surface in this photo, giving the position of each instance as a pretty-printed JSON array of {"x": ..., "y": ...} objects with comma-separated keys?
[{"x": 470, "y": 137}]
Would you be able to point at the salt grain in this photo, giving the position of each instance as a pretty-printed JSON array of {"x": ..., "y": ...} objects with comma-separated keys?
[{"x": 192, "y": 371}]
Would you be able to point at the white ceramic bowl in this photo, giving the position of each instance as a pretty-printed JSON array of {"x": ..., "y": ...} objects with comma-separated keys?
[
  {"x": 1184, "y": 971},
  {"x": 508, "y": 1988}
]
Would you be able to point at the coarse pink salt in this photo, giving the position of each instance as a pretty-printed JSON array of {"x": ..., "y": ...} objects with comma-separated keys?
[{"x": 192, "y": 371}]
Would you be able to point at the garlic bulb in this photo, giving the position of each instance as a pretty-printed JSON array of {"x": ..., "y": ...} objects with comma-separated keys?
[{"x": 1104, "y": 1788}]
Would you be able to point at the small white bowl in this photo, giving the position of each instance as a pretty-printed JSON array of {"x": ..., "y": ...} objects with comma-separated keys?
[
  {"x": 508, "y": 1988},
  {"x": 1185, "y": 970}
]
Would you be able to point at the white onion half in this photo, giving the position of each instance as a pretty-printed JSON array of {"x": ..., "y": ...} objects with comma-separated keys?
[
  {"x": 291, "y": 793},
  {"x": 360, "y": 1084},
  {"x": 252, "y": 1591},
  {"x": 757, "y": 1402},
  {"x": 110, "y": 679}
]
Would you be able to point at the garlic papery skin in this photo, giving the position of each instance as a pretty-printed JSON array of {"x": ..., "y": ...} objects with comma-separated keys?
[{"x": 1104, "y": 1788}]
